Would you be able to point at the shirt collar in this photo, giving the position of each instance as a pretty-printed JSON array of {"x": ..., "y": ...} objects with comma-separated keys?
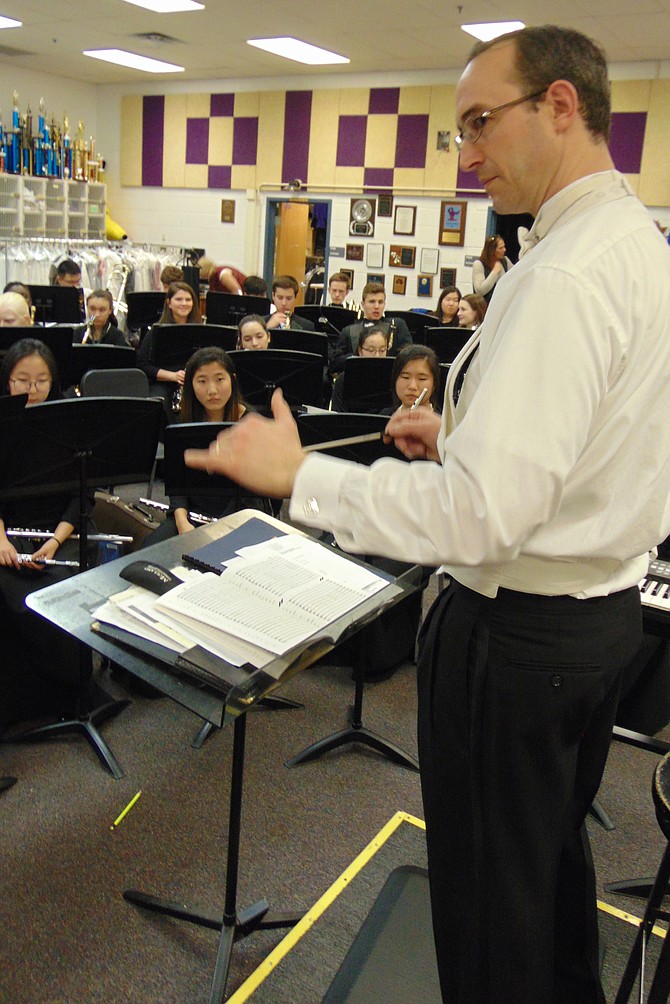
[{"x": 570, "y": 201}]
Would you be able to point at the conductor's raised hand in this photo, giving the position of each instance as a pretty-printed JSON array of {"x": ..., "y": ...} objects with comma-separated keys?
[
  {"x": 261, "y": 454},
  {"x": 415, "y": 433}
]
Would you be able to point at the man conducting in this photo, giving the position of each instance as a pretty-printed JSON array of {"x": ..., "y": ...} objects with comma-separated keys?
[{"x": 550, "y": 483}]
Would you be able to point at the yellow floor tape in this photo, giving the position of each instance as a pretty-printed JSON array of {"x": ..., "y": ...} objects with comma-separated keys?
[{"x": 244, "y": 992}]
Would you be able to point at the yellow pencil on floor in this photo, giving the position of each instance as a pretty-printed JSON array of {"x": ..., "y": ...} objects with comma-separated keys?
[{"x": 126, "y": 810}]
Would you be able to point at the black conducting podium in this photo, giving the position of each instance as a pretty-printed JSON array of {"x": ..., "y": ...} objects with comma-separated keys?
[
  {"x": 74, "y": 446},
  {"x": 72, "y": 606}
]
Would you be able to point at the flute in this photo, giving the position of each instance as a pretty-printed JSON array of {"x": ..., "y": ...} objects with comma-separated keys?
[
  {"x": 45, "y": 535},
  {"x": 23, "y": 558}
]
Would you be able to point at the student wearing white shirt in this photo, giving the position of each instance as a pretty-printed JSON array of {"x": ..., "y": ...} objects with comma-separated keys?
[{"x": 550, "y": 485}]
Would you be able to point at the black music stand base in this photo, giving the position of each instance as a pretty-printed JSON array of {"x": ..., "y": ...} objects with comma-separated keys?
[
  {"x": 86, "y": 725},
  {"x": 233, "y": 925},
  {"x": 272, "y": 703},
  {"x": 355, "y": 733}
]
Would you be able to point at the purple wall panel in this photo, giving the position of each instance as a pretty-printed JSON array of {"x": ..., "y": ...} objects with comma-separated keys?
[
  {"x": 384, "y": 100},
  {"x": 381, "y": 176},
  {"x": 218, "y": 177},
  {"x": 221, "y": 105},
  {"x": 297, "y": 120},
  {"x": 153, "y": 124},
  {"x": 351, "y": 135},
  {"x": 245, "y": 140},
  {"x": 410, "y": 147},
  {"x": 627, "y": 139},
  {"x": 197, "y": 141}
]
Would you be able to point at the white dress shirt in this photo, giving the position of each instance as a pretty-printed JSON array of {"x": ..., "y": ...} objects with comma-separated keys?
[{"x": 555, "y": 472}]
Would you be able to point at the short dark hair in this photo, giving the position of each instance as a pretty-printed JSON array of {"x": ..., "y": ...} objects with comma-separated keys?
[
  {"x": 547, "y": 53},
  {"x": 68, "y": 267},
  {"x": 190, "y": 408},
  {"x": 20, "y": 350},
  {"x": 171, "y": 273},
  {"x": 255, "y": 285},
  {"x": 340, "y": 277},
  {"x": 407, "y": 355},
  {"x": 376, "y": 329},
  {"x": 372, "y": 288},
  {"x": 285, "y": 282}
]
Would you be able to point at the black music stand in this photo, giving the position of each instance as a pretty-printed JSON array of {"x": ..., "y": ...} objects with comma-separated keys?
[
  {"x": 328, "y": 320},
  {"x": 230, "y": 308},
  {"x": 300, "y": 341},
  {"x": 98, "y": 357},
  {"x": 445, "y": 342},
  {"x": 71, "y": 606},
  {"x": 367, "y": 383},
  {"x": 62, "y": 304},
  {"x": 173, "y": 344},
  {"x": 59, "y": 340},
  {"x": 415, "y": 321},
  {"x": 74, "y": 445},
  {"x": 299, "y": 374},
  {"x": 144, "y": 310},
  {"x": 325, "y": 428}
]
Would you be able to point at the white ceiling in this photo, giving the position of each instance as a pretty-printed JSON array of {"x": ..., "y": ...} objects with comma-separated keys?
[{"x": 389, "y": 36}]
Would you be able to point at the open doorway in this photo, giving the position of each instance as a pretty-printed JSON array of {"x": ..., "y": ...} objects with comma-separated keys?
[{"x": 297, "y": 236}]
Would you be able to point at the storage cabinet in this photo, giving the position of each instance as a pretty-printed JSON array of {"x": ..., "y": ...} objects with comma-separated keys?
[{"x": 47, "y": 207}]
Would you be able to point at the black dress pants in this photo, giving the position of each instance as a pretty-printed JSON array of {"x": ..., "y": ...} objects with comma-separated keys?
[{"x": 517, "y": 698}]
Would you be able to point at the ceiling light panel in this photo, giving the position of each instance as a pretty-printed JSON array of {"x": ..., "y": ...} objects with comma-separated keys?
[
  {"x": 295, "y": 49},
  {"x": 9, "y": 22},
  {"x": 167, "y": 6},
  {"x": 130, "y": 59},
  {"x": 491, "y": 29}
]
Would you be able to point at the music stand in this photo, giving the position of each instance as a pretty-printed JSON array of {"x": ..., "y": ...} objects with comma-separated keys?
[
  {"x": 73, "y": 445},
  {"x": 229, "y": 308},
  {"x": 144, "y": 309},
  {"x": 300, "y": 341},
  {"x": 416, "y": 323},
  {"x": 299, "y": 374},
  {"x": 62, "y": 304},
  {"x": 446, "y": 343},
  {"x": 98, "y": 357},
  {"x": 173, "y": 345},
  {"x": 328, "y": 320},
  {"x": 321, "y": 429},
  {"x": 59, "y": 340},
  {"x": 367, "y": 383}
]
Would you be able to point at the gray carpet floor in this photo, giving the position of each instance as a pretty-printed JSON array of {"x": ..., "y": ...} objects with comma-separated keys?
[{"x": 68, "y": 937}]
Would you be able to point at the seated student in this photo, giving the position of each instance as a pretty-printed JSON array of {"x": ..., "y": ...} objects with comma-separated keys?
[
  {"x": 43, "y": 660},
  {"x": 221, "y": 278},
  {"x": 14, "y": 311},
  {"x": 446, "y": 311},
  {"x": 101, "y": 328},
  {"x": 181, "y": 307},
  {"x": 373, "y": 343},
  {"x": 253, "y": 333},
  {"x": 471, "y": 310},
  {"x": 284, "y": 298},
  {"x": 416, "y": 369},
  {"x": 211, "y": 394},
  {"x": 255, "y": 285},
  {"x": 18, "y": 287},
  {"x": 373, "y": 303},
  {"x": 170, "y": 274},
  {"x": 68, "y": 275},
  {"x": 339, "y": 286}
]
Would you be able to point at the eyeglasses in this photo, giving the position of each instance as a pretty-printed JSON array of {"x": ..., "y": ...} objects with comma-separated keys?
[
  {"x": 23, "y": 386},
  {"x": 473, "y": 126},
  {"x": 373, "y": 352}
]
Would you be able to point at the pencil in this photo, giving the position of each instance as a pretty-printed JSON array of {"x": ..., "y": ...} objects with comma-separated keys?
[{"x": 126, "y": 810}]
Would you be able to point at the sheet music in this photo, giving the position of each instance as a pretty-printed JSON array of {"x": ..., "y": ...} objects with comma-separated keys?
[{"x": 276, "y": 594}]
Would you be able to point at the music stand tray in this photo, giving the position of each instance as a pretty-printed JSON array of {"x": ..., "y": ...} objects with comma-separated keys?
[
  {"x": 174, "y": 344},
  {"x": 144, "y": 309},
  {"x": 329, "y": 320},
  {"x": 98, "y": 357},
  {"x": 73, "y": 445},
  {"x": 222, "y": 308},
  {"x": 62, "y": 304},
  {"x": 59, "y": 340}
]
